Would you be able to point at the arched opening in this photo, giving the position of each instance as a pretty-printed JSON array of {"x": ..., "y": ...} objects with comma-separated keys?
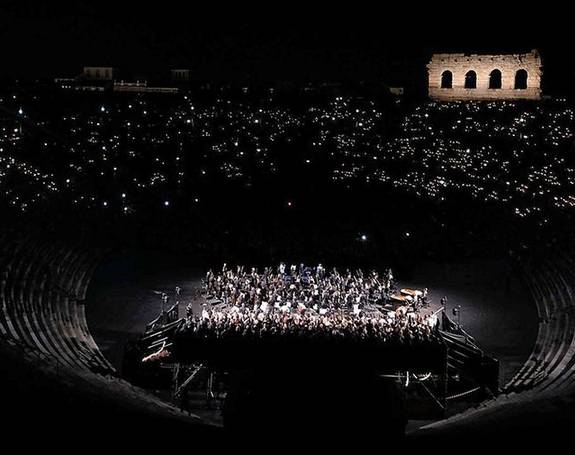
[
  {"x": 470, "y": 79},
  {"x": 495, "y": 79},
  {"x": 521, "y": 79},
  {"x": 447, "y": 79}
]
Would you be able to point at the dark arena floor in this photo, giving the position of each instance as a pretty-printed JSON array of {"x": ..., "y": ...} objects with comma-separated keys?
[{"x": 224, "y": 257}]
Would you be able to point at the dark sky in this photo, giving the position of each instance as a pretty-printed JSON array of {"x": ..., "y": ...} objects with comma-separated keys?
[{"x": 278, "y": 41}]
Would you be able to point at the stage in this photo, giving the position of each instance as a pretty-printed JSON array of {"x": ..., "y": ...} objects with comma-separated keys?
[{"x": 123, "y": 298}]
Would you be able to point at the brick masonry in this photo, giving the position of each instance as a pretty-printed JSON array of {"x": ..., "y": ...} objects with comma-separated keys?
[{"x": 483, "y": 65}]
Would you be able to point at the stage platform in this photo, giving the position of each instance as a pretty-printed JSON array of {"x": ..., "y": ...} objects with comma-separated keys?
[{"x": 123, "y": 299}]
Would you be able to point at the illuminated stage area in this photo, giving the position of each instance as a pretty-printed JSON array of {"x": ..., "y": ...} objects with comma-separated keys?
[
  {"x": 487, "y": 295},
  {"x": 249, "y": 317},
  {"x": 126, "y": 295},
  {"x": 308, "y": 325}
]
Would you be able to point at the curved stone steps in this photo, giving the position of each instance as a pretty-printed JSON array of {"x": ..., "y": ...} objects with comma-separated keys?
[
  {"x": 560, "y": 352},
  {"x": 92, "y": 264},
  {"x": 77, "y": 283},
  {"x": 46, "y": 316},
  {"x": 531, "y": 370},
  {"x": 24, "y": 306},
  {"x": 555, "y": 333},
  {"x": 43, "y": 285},
  {"x": 560, "y": 375},
  {"x": 549, "y": 372},
  {"x": 6, "y": 258},
  {"x": 66, "y": 309},
  {"x": 542, "y": 333},
  {"x": 39, "y": 314},
  {"x": 35, "y": 280},
  {"x": 559, "y": 343},
  {"x": 67, "y": 315},
  {"x": 14, "y": 309}
]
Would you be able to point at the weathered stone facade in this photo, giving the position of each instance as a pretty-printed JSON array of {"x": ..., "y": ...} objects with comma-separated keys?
[{"x": 454, "y": 77}]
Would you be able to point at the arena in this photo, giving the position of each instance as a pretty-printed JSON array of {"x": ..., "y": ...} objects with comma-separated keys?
[{"x": 238, "y": 264}]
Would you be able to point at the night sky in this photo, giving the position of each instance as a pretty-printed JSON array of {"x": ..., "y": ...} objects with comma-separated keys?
[{"x": 277, "y": 42}]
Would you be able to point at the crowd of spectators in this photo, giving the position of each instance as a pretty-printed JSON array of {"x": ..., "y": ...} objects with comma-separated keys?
[
  {"x": 514, "y": 155},
  {"x": 127, "y": 152}
]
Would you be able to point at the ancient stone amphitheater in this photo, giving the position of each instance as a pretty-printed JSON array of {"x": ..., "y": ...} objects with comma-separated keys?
[{"x": 46, "y": 346}]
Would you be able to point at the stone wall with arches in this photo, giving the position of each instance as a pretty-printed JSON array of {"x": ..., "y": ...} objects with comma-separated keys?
[{"x": 454, "y": 77}]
